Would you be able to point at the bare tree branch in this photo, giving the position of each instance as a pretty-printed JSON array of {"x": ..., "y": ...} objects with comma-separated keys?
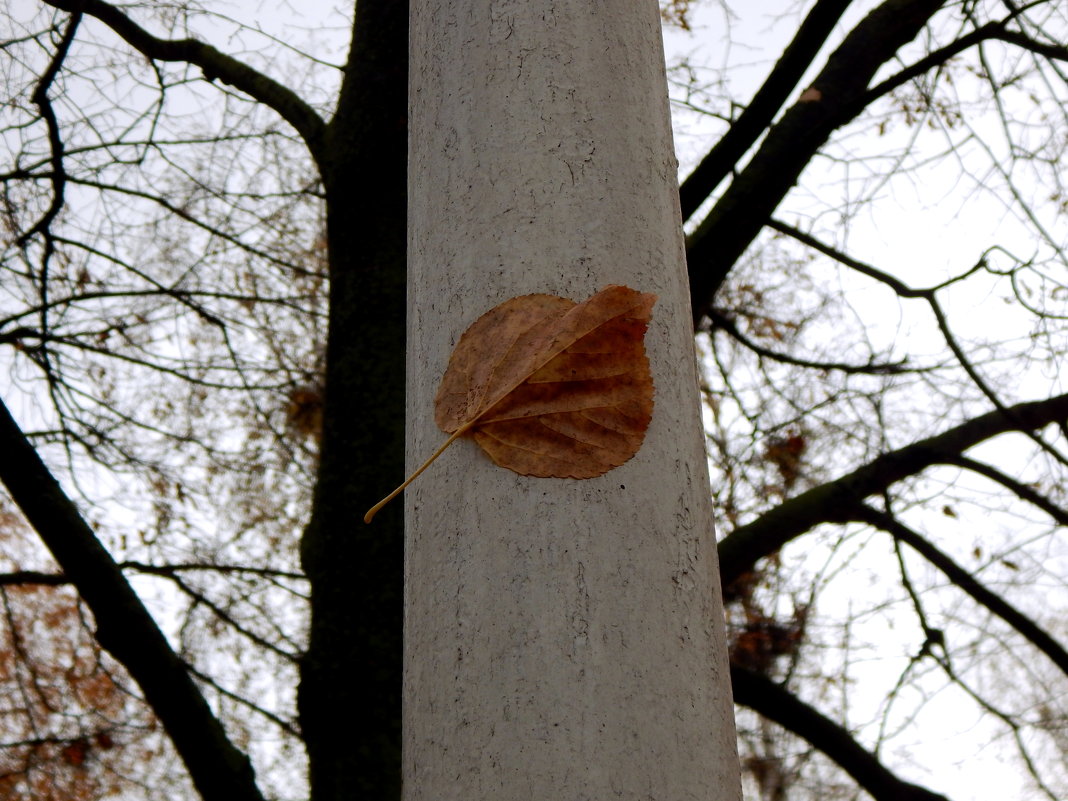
[
  {"x": 124, "y": 627},
  {"x": 929, "y": 295},
  {"x": 834, "y": 501},
  {"x": 778, "y": 704},
  {"x": 1018, "y": 488},
  {"x": 967, "y": 581},
  {"x": 215, "y": 65},
  {"x": 840, "y": 95},
  {"x": 723, "y": 322},
  {"x": 752, "y": 122},
  {"x": 288, "y": 726},
  {"x": 55, "y": 141},
  {"x": 745, "y": 207},
  {"x": 22, "y": 578}
]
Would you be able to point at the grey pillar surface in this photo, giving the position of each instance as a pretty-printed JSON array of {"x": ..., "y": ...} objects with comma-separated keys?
[{"x": 564, "y": 638}]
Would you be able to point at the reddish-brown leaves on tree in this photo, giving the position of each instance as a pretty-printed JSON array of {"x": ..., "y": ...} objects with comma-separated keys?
[
  {"x": 551, "y": 388},
  {"x": 72, "y": 729},
  {"x": 786, "y": 453}
]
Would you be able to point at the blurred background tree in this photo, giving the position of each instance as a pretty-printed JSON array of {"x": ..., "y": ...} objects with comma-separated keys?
[{"x": 202, "y": 324}]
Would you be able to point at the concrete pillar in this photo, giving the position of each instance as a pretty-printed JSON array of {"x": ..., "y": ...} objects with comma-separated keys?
[{"x": 564, "y": 638}]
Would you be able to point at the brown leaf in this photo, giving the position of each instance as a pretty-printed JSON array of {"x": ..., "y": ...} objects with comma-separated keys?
[{"x": 551, "y": 388}]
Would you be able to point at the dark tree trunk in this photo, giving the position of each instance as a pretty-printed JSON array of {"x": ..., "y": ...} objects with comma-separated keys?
[{"x": 349, "y": 700}]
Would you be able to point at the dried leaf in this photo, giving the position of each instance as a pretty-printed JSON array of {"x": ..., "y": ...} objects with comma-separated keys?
[{"x": 551, "y": 388}]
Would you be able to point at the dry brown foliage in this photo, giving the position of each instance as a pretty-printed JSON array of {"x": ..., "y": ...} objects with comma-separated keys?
[{"x": 549, "y": 387}]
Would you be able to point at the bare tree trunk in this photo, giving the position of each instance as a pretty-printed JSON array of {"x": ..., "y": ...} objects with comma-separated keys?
[{"x": 564, "y": 638}]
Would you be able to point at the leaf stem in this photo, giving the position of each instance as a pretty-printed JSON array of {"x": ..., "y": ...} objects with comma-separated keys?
[{"x": 456, "y": 435}]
